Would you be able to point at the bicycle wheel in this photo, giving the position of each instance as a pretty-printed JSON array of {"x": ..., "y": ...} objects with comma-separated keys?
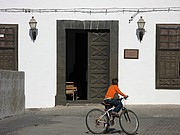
[
  {"x": 96, "y": 121},
  {"x": 129, "y": 122}
]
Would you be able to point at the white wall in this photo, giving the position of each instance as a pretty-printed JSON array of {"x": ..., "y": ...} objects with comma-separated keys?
[{"x": 38, "y": 60}]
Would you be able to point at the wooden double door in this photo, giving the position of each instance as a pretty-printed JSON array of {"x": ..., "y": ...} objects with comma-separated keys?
[{"x": 102, "y": 57}]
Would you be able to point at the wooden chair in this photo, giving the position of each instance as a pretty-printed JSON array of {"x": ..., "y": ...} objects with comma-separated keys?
[{"x": 71, "y": 89}]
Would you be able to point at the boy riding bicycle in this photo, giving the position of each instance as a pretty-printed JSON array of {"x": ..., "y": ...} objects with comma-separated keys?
[
  {"x": 99, "y": 121},
  {"x": 109, "y": 97}
]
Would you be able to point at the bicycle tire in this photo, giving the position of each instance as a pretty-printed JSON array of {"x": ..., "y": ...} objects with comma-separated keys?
[
  {"x": 129, "y": 122},
  {"x": 96, "y": 121}
]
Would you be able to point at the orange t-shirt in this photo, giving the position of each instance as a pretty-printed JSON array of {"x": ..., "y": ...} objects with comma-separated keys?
[{"x": 112, "y": 90}]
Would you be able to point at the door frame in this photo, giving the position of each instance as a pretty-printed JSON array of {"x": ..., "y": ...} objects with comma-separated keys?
[{"x": 62, "y": 25}]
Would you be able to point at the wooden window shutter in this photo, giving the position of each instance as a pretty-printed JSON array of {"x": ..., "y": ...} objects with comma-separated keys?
[{"x": 168, "y": 56}]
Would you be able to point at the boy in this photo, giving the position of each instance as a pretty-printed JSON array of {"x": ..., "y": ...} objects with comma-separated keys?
[{"x": 109, "y": 97}]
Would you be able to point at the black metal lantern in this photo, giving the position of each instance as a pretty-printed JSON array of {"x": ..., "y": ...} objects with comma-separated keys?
[
  {"x": 33, "y": 31},
  {"x": 140, "y": 31}
]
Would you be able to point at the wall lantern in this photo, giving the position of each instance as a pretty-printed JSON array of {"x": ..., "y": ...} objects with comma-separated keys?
[
  {"x": 33, "y": 31},
  {"x": 140, "y": 31}
]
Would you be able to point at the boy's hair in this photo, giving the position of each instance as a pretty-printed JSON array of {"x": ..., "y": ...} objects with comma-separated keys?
[{"x": 115, "y": 81}]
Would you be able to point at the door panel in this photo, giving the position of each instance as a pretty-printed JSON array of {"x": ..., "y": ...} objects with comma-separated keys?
[{"x": 98, "y": 65}]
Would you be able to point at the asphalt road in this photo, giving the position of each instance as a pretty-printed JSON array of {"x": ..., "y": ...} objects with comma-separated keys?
[
  {"x": 68, "y": 125},
  {"x": 55, "y": 121}
]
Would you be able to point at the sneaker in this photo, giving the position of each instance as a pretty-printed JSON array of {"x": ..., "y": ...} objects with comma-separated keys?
[
  {"x": 115, "y": 114},
  {"x": 112, "y": 123}
]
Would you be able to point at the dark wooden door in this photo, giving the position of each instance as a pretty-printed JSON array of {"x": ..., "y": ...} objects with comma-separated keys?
[
  {"x": 98, "y": 65},
  {"x": 8, "y": 47}
]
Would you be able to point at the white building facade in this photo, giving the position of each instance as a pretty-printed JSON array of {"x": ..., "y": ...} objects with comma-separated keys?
[{"x": 137, "y": 77}]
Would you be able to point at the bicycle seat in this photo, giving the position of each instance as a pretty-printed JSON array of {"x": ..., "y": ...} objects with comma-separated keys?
[{"x": 105, "y": 104}]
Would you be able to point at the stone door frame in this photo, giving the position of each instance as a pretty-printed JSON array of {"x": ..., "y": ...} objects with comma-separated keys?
[{"x": 62, "y": 25}]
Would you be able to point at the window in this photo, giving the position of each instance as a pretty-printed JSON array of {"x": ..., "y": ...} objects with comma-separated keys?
[
  {"x": 168, "y": 56},
  {"x": 8, "y": 47}
]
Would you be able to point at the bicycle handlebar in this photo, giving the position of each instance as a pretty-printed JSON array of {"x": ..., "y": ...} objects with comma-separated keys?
[
  {"x": 126, "y": 97},
  {"x": 121, "y": 98}
]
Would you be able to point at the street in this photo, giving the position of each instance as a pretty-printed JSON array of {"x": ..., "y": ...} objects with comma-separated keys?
[
  {"x": 67, "y": 125},
  {"x": 56, "y": 122}
]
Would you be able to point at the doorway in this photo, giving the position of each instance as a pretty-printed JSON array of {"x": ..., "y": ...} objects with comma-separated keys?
[
  {"x": 78, "y": 42},
  {"x": 76, "y": 62},
  {"x": 92, "y": 48}
]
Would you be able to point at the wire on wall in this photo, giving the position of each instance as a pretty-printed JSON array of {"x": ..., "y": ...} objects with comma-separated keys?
[
  {"x": 93, "y": 10},
  {"x": 89, "y": 10}
]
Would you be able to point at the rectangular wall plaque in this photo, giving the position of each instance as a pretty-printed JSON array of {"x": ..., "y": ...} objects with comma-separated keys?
[{"x": 131, "y": 53}]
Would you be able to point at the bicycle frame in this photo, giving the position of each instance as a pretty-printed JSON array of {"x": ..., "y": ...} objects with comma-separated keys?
[{"x": 107, "y": 112}]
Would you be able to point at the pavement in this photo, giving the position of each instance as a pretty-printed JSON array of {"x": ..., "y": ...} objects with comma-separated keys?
[{"x": 70, "y": 119}]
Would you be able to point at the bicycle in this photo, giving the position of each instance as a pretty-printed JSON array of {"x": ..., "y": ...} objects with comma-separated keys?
[{"x": 99, "y": 121}]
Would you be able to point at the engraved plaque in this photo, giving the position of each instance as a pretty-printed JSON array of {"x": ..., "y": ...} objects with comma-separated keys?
[{"x": 131, "y": 54}]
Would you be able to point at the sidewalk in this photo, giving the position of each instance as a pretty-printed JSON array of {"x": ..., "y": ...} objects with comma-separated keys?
[
  {"x": 141, "y": 110},
  {"x": 66, "y": 120}
]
